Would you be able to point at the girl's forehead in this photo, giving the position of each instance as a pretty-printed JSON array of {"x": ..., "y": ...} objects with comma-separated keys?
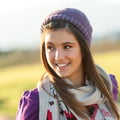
[{"x": 60, "y": 35}]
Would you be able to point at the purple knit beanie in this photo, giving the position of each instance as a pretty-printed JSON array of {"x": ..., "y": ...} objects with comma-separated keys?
[{"x": 73, "y": 16}]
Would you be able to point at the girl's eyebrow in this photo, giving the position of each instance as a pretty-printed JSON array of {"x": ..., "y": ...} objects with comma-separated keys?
[
  {"x": 65, "y": 43},
  {"x": 68, "y": 43},
  {"x": 50, "y": 43}
]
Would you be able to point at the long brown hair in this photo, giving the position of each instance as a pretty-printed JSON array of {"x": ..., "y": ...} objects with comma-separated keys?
[{"x": 88, "y": 65}]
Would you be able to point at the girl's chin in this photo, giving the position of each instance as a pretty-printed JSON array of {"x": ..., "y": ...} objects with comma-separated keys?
[{"x": 62, "y": 75}]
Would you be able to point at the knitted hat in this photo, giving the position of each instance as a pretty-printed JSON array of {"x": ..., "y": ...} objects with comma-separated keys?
[{"x": 73, "y": 16}]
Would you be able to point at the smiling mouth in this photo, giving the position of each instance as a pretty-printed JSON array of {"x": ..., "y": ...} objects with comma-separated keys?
[{"x": 61, "y": 65}]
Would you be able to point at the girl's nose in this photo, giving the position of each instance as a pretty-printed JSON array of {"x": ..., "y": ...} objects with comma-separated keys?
[{"x": 59, "y": 55}]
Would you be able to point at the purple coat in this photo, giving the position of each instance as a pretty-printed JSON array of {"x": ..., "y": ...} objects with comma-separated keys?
[{"x": 29, "y": 102}]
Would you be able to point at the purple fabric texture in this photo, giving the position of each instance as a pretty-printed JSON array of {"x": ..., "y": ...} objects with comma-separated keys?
[
  {"x": 29, "y": 103},
  {"x": 29, "y": 106},
  {"x": 73, "y": 16},
  {"x": 115, "y": 87}
]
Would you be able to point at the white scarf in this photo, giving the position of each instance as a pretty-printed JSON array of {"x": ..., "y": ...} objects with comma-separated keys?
[{"x": 87, "y": 95}]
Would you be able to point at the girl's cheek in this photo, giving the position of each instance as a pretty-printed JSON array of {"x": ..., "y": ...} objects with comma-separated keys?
[{"x": 50, "y": 56}]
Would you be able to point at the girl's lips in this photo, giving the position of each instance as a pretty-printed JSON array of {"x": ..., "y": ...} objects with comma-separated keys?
[{"x": 60, "y": 65}]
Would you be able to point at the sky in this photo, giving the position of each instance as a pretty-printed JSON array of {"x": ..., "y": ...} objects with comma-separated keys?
[{"x": 20, "y": 20}]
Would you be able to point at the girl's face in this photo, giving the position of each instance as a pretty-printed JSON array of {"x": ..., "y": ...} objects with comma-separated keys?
[{"x": 63, "y": 54}]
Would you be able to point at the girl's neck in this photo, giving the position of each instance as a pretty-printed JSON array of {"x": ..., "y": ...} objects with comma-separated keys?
[{"x": 78, "y": 81}]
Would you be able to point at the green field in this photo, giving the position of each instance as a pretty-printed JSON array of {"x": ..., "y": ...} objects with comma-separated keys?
[
  {"x": 110, "y": 61},
  {"x": 16, "y": 79}
]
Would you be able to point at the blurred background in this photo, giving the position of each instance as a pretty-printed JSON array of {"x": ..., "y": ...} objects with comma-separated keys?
[{"x": 20, "y": 66}]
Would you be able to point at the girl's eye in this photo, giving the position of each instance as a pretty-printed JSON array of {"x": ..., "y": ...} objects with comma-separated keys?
[
  {"x": 67, "y": 47},
  {"x": 50, "y": 48}
]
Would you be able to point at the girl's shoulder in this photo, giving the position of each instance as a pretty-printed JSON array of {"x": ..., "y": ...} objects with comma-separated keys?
[
  {"x": 31, "y": 95},
  {"x": 114, "y": 86},
  {"x": 28, "y": 106},
  {"x": 111, "y": 80}
]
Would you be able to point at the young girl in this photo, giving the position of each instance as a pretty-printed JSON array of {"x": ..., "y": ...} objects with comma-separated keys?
[{"x": 73, "y": 86}]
